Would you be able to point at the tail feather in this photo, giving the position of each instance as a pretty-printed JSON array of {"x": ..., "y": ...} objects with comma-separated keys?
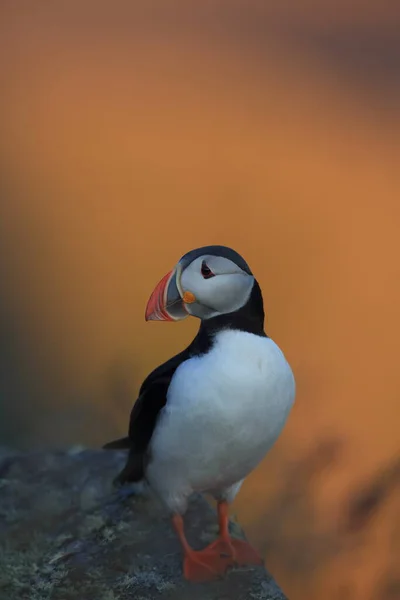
[{"x": 121, "y": 444}]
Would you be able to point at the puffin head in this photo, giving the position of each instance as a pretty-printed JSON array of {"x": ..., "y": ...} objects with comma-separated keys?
[{"x": 205, "y": 283}]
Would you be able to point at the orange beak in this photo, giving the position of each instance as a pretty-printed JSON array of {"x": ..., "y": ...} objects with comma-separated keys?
[{"x": 165, "y": 303}]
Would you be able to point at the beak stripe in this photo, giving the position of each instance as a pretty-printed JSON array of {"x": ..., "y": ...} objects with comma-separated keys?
[{"x": 155, "y": 309}]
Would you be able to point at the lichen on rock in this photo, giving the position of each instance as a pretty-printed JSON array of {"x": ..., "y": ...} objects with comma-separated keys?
[{"x": 66, "y": 534}]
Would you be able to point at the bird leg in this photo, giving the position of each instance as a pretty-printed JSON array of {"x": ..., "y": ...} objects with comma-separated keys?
[
  {"x": 241, "y": 553},
  {"x": 199, "y": 565},
  {"x": 213, "y": 562}
]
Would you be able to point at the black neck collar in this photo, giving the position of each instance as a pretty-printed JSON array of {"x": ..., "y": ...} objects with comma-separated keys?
[{"x": 249, "y": 318}]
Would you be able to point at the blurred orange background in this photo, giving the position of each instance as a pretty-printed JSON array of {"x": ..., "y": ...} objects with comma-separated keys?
[{"x": 133, "y": 132}]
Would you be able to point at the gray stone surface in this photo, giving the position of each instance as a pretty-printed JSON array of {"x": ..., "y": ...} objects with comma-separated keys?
[{"x": 65, "y": 534}]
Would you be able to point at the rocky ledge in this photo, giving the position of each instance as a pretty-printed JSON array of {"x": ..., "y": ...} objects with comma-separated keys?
[{"x": 66, "y": 534}]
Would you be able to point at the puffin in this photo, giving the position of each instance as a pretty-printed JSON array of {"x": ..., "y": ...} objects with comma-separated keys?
[{"x": 205, "y": 418}]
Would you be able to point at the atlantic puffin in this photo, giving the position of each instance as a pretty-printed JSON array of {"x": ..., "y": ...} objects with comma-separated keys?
[{"x": 206, "y": 418}]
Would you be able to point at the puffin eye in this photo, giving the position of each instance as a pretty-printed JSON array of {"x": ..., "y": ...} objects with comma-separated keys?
[{"x": 206, "y": 271}]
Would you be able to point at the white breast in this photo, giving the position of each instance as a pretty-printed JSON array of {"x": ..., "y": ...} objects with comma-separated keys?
[{"x": 224, "y": 411}]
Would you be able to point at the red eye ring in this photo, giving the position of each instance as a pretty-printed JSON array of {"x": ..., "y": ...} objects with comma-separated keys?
[{"x": 206, "y": 271}]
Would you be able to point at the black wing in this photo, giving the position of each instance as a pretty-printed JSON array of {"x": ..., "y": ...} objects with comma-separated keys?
[{"x": 145, "y": 412}]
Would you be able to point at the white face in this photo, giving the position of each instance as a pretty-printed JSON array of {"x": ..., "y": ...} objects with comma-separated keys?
[{"x": 218, "y": 285}]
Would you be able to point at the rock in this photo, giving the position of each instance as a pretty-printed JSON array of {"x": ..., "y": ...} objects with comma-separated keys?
[{"x": 66, "y": 534}]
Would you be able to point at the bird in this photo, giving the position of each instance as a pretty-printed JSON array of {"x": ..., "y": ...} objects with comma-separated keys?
[{"x": 206, "y": 418}]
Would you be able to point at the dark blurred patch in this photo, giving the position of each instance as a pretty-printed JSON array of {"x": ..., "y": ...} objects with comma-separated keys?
[
  {"x": 14, "y": 395},
  {"x": 121, "y": 393},
  {"x": 89, "y": 415},
  {"x": 364, "y": 504},
  {"x": 77, "y": 415},
  {"x": 306, "y": 543},
  {"x": 120, "y": 386},
  {"x": 389, "y": 587},
  {"x": 371, "y": 56},
  {"x": 290, "y": 521}
]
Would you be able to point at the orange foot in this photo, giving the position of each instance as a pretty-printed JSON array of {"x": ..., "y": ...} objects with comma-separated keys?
[
  {"x": 213, "y": 562},
  {"x": 208, "y": 564}
]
